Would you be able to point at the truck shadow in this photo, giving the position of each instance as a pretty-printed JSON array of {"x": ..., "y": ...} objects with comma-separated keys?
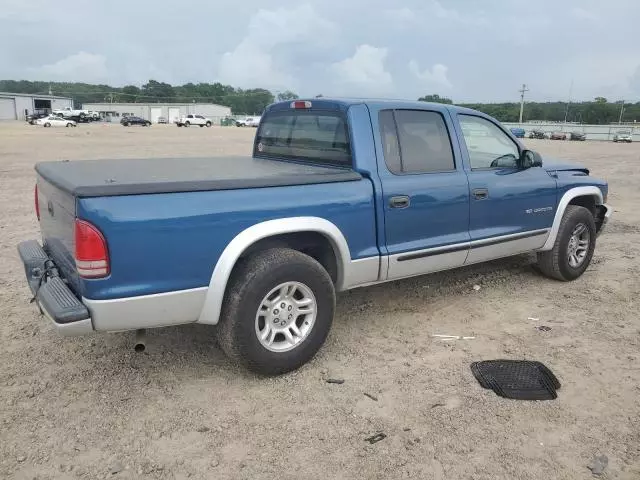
[{"x": 193, "y": 346}]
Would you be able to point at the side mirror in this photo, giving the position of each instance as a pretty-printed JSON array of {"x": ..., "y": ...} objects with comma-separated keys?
[{"x": 529, "y": 159}]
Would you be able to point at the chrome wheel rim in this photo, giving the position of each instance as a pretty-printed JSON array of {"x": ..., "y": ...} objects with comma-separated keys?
[
  {"x": 578, "y": 245},
  {"x": 286, "y": 316}
]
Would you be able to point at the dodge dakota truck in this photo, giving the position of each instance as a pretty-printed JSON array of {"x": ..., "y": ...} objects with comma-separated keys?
[{"x": 336, "y": 194}]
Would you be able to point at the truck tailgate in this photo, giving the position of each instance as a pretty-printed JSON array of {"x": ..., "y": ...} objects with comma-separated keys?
[{"x": 57, "y": 217}]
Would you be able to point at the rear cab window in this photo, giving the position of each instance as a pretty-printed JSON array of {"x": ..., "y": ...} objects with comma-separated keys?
[{"x": 317, "y": 136}]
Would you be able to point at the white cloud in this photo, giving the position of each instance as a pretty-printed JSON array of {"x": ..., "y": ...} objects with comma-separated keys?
[
  {"x": 434, "y": 78},
  {"x": 583, "y": 14},
  {"x": 79, "y": 67},
  {"x": 430, "y": 9},
  {"x": 254, "y": 61},
  {"x": 364, "y": 72}
]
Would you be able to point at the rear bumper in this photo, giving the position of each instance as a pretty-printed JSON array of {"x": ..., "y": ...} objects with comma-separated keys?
[{"x": 54, "y": 298}]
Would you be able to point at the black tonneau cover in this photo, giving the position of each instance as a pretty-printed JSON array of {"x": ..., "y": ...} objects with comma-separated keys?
[{"x": 99, "y": 178}]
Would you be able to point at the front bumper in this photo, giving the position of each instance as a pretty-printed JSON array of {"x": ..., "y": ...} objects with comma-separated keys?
[{"x": 54, "y": 298}]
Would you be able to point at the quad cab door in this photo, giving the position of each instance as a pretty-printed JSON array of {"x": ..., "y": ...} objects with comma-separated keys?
[
  {"x": 425, "y": 192},
  {"x": 511, "y": 208}
]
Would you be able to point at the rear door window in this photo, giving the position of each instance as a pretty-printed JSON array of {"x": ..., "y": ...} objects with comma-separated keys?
[
  {"x": 415, "y": 141},
  {"x": 318, "y": 136}
]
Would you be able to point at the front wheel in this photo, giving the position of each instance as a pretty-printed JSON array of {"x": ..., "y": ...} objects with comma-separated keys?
[
  {"x": 277, "y": 311},
  {"x": 208, "y": 124},
  {"x": 574, "y": 246},
  {"x": 187, "y": 124},
  {"x": 47, "y": 125}
]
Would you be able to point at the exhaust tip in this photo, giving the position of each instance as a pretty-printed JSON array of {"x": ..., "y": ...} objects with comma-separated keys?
[{"x": 140, "y": 344}]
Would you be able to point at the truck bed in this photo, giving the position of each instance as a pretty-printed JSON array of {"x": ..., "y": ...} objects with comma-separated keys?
[{"x": 101, "y": 178}]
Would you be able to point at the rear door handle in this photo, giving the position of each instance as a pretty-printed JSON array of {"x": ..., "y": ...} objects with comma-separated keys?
[
  {"x": 401, "y": 201},
  {"x": 480, "y": 193}
]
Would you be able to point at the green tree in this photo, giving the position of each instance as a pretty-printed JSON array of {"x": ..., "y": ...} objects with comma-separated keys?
[
  {"x": 287, "y": 95},
  {"x": 130, "y": 93},
  {"x": 435, "y": 99},
  {"x": 155, "y": 91}
]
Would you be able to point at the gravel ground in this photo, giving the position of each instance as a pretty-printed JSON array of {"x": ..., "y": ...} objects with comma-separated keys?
[{"x": 90, "y": 407}]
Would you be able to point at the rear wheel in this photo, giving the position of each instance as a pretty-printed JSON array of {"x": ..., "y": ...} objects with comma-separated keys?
[
  {"x": 187, "y": 124},
  {"x": 277, "y": 312},
  {"x": 125, "y": 124},
  {"x": 47, "y": 124},
  {"x": 574, "y": 246},
  {"x": 208, "y": 124}
]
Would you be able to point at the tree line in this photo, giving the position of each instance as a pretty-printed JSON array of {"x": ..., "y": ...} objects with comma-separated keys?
[
  {"x": 254, "y": 100},
  {"x": 241, "y": 101},
  {"x": 597, "y": 112}
]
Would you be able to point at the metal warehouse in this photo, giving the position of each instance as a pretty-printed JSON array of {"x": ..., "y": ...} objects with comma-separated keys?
[
  {"x": 16, "y": 106},
  {"x": 153, "y": 111}
]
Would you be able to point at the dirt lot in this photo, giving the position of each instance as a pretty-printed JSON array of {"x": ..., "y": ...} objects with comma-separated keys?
[{"x": 92, "y": 408}]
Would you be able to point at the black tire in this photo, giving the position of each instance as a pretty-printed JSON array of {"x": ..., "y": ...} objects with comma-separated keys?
[
  {"x": 201, "y": 126},
  {"x": 555, "y": 263},
  {"x": 125, "y": 124},
  {"x": 208, "y": 124},
  {"x": 252, "y": 280},
  {"x": 46, "y": 125},
  {"x": 187, "y": 124}
]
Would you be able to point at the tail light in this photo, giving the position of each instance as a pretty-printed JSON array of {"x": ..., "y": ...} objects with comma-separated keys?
[
  {"x": 35, "y": 195},
  {"x": 91, "y": 255},
  {"x": 301, "y": 104}
]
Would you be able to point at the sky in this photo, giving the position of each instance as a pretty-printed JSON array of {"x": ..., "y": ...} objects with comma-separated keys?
[{"x": 467, "y": 50}]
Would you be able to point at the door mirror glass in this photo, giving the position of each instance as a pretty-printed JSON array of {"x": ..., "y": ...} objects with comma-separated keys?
[{"x": 529, "y": 159}]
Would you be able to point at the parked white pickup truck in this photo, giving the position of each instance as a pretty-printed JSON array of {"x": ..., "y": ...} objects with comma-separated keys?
[
  {"x": 188, "y": 120},
  {"x": 70, "y": 112}
]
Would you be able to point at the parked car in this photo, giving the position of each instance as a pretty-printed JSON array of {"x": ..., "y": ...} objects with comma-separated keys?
[
  {"x": 517, "y": 132},
  {"x": 579, "y": 136},
  {"x": 248, "y": 122},
  {"x": 259, "y": 245},
  {"x": 623, "y": 136},
  {"x": 539, "y": 134},
  {"x": 126, "y": 121},
  {"x": 33, "y": 118},
  {"x": 188, "y": 120},
  {"x": 162, "y": 120},
  {"x": 558, "y": 136},
  {"x": 55, "y": 121}
]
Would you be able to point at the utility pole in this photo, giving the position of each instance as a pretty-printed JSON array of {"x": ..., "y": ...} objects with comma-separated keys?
[
  {"x": 522, "y": 91},
  {"x": 566, "y": 112},
  {"x": 621, "y": 112}
]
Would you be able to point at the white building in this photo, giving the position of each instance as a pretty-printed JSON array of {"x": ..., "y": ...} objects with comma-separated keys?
[
  {"x": 153, "y": 111},
  {"x": 16, "y": 106}
]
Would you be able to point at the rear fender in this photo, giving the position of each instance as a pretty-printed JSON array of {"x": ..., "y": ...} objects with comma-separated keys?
[{"x": 348, "y": 274}]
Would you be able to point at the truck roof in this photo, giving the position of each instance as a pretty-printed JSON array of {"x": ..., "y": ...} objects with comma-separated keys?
[{"x": 340, "y": 103}]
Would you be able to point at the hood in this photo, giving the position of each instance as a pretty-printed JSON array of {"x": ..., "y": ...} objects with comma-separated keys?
[{"x": 552, "y": 165}]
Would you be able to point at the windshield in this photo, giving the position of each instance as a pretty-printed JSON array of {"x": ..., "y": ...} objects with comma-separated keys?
[{"x": 319, "y": 136}]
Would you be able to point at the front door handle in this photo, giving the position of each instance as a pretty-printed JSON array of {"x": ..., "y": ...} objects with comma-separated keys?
[
  {"x": 480, "y": 193},
  {"x": 401, "y": 201}
]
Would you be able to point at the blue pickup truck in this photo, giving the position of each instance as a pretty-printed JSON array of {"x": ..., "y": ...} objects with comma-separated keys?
[{"x": 336, "y": 195}]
